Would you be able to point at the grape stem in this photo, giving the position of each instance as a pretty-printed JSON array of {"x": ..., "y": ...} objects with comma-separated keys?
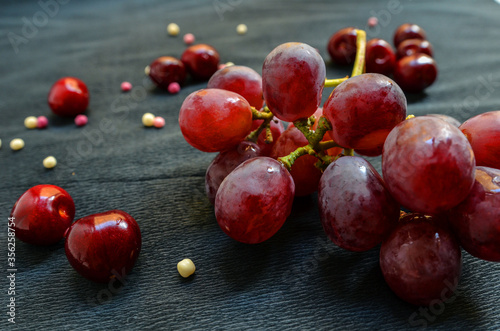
[
  {"x": 359, "y": 62},
  {"x": 267, "y": 116},
  {"x": 335, "y": 82}
]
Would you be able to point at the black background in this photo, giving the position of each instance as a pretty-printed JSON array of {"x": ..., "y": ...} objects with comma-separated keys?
[{"x": 298, "y": 279}]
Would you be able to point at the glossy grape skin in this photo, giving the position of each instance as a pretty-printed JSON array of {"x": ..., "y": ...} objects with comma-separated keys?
[
  {"x": 476, "y": 220},
  {"x": 242, "y": 80},
  {"x": 226, "y": 162},
  {"x": 428, "y": 165},
  {"x": 416, "y": 72},
  {"x": 68, "y": 97},
  {"x": 305, "y": 175},
  {"x": 215, "y": 120},
  {"x": 356, "y": 209},
  {"x": 342, "y": 46},
  {"x": 42, "y": 214},
  {"x": 99, "y": 246},
  {"x": 201, "y": 61},
  {"x": 254, "y": 200},
  {"x": 166, "y": 70},
  {"x": 364, "y": 109},
  {"x": 414, "y": 46},
  {"x": 293, "y": 77},
  {"x": 483, "y": 133},
  {"x": 452, "y": 120},
  {"x": 380, "y": 57},
  {"x": 421, "y": 261},
  {"x": 277, "y": 128},
  {"x": 408, "y": 31}
]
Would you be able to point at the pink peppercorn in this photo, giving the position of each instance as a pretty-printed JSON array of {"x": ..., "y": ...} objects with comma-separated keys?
[
  {"x": 42, "y": 122},
  {"x": 372, "y": 21},
  {"x": 81, "y": 120},
  {"x": 126, "y": 86},
  {"x": 189, "y": 38},
  {"x": 159, "y": 122},
  {"x": 174, "y": 87}
]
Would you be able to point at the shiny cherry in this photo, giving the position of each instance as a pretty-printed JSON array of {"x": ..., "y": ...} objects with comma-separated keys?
[
  {"x": 416, "y": 72},
  {"x": 102, "y": 246},
  {"x": 413, "y": 46},
  {"x": 69, "y": 97},
  {"x": 408, "y": 31},
  {"x": 42, "y": 214},
  {"x": 342, "y": 46},
  {"x": 201, "y": 61},
  {"x": 165, "y": 70},
  {"x": 380, "y": 57}
]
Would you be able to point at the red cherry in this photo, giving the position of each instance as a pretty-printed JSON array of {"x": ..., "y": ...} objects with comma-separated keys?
[
  {"x": 414, "y": 46},
  {"x": 43, "y": 214},
  {"x": 102, "y": 246},
  {"x": 166, "y": 70},
  {"x": 201, "y": 61},
  {"x": 68, "y": 97},
  {"x": 416, "y": 72},
  {"x": 408, "y": 31},
  {"x": 342, "y": 46}
]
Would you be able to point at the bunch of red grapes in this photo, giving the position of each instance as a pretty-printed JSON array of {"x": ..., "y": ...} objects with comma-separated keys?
[
  {"x": 446, "y": 175},
  {"x": 411, "y": 64}
]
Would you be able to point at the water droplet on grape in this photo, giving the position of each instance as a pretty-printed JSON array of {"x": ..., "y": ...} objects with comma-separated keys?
[{"x": 270, "y": 170}]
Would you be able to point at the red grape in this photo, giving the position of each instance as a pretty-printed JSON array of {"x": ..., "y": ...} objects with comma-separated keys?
[
  {"x": 428, "y": 165},
  {"x": 201, "y": 61},
  {"x": 452, "y": 120},
  {"x": 342, "y": 46},
  {"x": 421, "y": 261},
  {"x": 254, "y": 200},
  {"x": 226, "y": 162},
  {"x": 408, "y": 31},
  {"x": 68, "y": 96},
  {"x": 277, "y": 129},
  {"x": 242, "y": 80},
  {"x": 356, "y": 209},
  {"x": 293, "y": 77},
  {"x": 483, "y": 133},
  {"x": 214, "y": 120},
  {"x": 305, "y": 175},
  {"x": 476, "y": 220},
  {"x": 166, "y": 70},
  {"x": 364, "y": 109},
  {"x": 414, "y": 46},
  {"x": 380, "y": 57},
  {"x": 416, "y": 72}
]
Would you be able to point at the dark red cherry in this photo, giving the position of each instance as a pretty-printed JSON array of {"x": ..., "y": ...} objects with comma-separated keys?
[
  {"x": 380, "y": 57},
  {"x": 408, "y": 31},
  {"x": 165, "y": 70},
  {"x": 69, "y": 96},
  {"x": 416, "y": 72},
  {"x": 342, "y": 46},
  {"x": 102, "y": 246},
  {"x": 414, "y": 46},
  {"x": 43, "y": 214},
  {"x": 201, "y": 61}
]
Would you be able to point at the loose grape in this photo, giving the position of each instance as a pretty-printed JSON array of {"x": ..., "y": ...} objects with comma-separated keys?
[
  {"x": 356, "y": 209},
  {"x": 254, "y": 200},
  {"x": 342, "y": 46},
  {"x": 293, "y": 77},
  {"x": 165, "y": 70},
  {"x": 416, "y": 72},
  {"x": 380, "y": 57},
  {"x": 421, "y": 261},
  {"x": 408, "y": 31},
  {"x": 214, "y": 120},
  {"x": 414, "y": 46},
  {"x": 364, "y": 109},
  {"x": 201, "y": 61},
  {"x": 483, "y": 133},
  {"x": 428, "y": 165},
  {"x": 242, "y": 80}
]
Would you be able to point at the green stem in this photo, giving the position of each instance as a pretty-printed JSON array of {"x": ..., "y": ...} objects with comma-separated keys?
[
  {"x": 359, "y": 62},
  {"x": 267, "y": 116},
  {"x": 348, "y": 152},
  {"x": 335, "y": 82}
]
